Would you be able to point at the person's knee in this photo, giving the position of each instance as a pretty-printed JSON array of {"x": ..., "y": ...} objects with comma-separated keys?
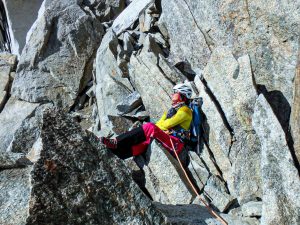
[{"x": 149, "y": 128}]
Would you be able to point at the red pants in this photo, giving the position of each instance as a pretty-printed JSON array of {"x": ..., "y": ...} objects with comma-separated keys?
[{"x": 152, "y": 131}]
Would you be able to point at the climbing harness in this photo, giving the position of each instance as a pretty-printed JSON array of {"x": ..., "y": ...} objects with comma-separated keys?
[{"x": 212, "y": 212}]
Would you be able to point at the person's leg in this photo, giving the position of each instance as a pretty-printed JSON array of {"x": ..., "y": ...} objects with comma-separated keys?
[
  {"x": 121, "y": 145},
  {"x": 152, "y": 131},
  {"x": 136, "y": 141}
]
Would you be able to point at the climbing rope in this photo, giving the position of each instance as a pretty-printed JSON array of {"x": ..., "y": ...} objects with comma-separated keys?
[{"x": 212, "y": 212}]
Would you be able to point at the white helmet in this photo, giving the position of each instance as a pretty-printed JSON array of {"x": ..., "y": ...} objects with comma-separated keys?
[{"x": 184, "y": 90}]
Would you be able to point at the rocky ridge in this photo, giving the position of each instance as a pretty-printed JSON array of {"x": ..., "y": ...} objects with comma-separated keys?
[{"x": 104, "y": 67}]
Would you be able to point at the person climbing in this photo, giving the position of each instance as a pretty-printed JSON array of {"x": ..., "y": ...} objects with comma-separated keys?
[{"x": 173, "y": 124}]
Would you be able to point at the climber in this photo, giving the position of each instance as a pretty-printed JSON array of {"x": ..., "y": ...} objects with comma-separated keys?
[{"x": 173, "y": 124}]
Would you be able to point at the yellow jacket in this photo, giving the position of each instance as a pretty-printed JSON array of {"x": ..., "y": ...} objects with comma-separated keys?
[{"x": 183, "y": 118}]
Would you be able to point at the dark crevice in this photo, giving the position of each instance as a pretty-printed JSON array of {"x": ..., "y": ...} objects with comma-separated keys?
[
  {"x": 139, "y": 178},
  {"x": 193, "y": 179},
  {"x": 282, "y": 110},
  {"x": 158, "y": 6},
  {"x": 205, "y": 129},
  {"x": 4, "y": 30},
  {"x": 206, "y": 143},
  {"x": 75, "y": 106},
  {"x": 235, "y": 204},
  {"x": 85, "y": 79},
  {"x": 7, "y": 96},
  {"x": 218, "y": 106},
  {"x": 186, "y": 69},
  {"x": 163, "y": 73}
]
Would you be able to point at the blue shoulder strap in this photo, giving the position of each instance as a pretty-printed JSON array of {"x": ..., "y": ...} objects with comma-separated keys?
[{"x": 197, "y": 119}]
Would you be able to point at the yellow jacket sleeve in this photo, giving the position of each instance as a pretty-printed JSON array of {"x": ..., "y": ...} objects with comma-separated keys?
[
  {"x": 183, "y": 114},
  {"x": 163, "y": 118}
]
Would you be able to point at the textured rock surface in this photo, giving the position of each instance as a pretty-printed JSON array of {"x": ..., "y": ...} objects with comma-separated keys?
[
  {"x": 15, "y": 187},
  {"x": 29, "y": 131},
  {"x": 165, "y": 180},
  {"x": 7, "y": 59},
  {"x": 130, "y": 15},
  {"x": 11, "y": 118},
  {"x": 216, "y": 192},
  {"x": 229, "y": 115},
  {"x": 10, "y": 160},
  {"x": 111, "y": 88},
  {"x": 295, "y": 115},
  {"x": 252, "y": 209},
  {"x": 146, "y": 67},
  {"x": 198, "y": 170},
  {"x": 267, "y": 30},
  {"x": 187, "y": 214},
  {"x": 104, "y": 10},
  {"x": 130, "y": 103},
  {"x": 56, "y": 63},
  {"x": 7, "y": 65},
  {"x": 195, "y": 214},
  {"x": 72, "y": 171},
  {"x": 280, "y": 178},
  {"x": 187, "y": 40},
  {"x": 4, "y": 84},
  {"x": 216, "y": 134}
]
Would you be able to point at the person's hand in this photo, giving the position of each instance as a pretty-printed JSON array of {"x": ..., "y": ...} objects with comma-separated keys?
[{"x": 167, "y": 132}]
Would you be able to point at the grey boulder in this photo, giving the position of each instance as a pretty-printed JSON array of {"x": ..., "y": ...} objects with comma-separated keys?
[
  {"x": 198, "y": 170},
  {"x": 11, "y": 118},
  {"x": 111, "y": 87},
  {"x": 280, "y": 178},
  {"x": 216, "y": 192},
  {"x": 228, "y": 106},
  {"x": 8, "y": 63},
  {"x": 164, "y": 178},
  {"x": 146, "y": 66},
  {"x": 56, "y": 62},
  {"x": 73, "y": 181},
  {"x": 266, "y": 32},
  {"x": 130, "y": 15}
]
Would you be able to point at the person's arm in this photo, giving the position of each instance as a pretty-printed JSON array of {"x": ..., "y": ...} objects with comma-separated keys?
[
  {"x": 178, "y": 118},
  {"x": 161, "y": 120}
]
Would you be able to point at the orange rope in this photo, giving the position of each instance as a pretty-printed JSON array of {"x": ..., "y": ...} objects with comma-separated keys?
[{"x": 212, "y": 212}]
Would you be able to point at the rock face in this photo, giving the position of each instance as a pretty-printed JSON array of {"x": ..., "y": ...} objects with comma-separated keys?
[
  {"x": 280, "y": 178},
  {"x": 231, "y": 137},
  {"x": 72, "y": 170},
  {"x": 152, "y": 66},
  {"x": 198, "y": 170},
  {"x": 195, "y": 214},
  {"x": 165, "y": 180},
  {"x": 11, "y": 117},
  {"x": 216, "y": 192},
  {"x": 15, "y": 195},
  {"x": 196, "y": 28},
  {"x": 109, "y": 66},
  {"x": 29, "y": 131},
  {"x": 130, "y": 15},
  {"x": 295, "y": 115},
  {"x": 56, "y": 62},
  {"x": 7, "y": 65},
  {"x": 111, "y": 87}
]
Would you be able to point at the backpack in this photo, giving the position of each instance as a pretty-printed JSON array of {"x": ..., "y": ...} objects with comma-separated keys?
[{"x": 195, "y": 128}]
